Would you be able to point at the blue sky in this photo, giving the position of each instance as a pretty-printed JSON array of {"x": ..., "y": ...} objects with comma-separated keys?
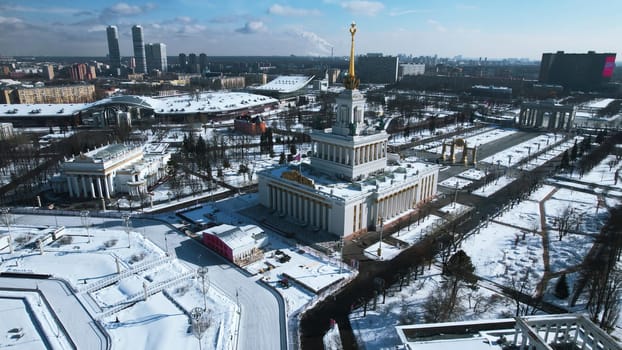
[{"x": 484, "y": 28}]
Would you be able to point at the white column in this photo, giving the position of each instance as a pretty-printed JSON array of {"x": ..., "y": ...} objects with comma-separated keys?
[
  {"x": 92, "y": 186},
  {"x": 99, "y": 187},
  {"x": 326, "y": 218},
  {"x": 106, "y": 190},
  {"x": 110, "y": 184},
  {"x": 69, "y": 186}
]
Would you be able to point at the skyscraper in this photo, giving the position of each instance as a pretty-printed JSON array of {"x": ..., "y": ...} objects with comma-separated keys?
[
  {"x": 156, "y": 57},
  {"x": 139, "y": 49},
  {"x": 113, "y": 47}
]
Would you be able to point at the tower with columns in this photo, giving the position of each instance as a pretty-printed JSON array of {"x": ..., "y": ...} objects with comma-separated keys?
[
  {"x": 348, "y": 184},
  {"x": 351, "y": 149}
]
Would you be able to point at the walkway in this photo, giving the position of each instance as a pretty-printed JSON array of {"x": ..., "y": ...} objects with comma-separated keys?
[
  {"x": 83, "y": 330},
  {"x": 546, "y": 275}
]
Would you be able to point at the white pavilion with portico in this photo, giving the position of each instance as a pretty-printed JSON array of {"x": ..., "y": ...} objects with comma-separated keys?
[{"x": 108, "y": 170}]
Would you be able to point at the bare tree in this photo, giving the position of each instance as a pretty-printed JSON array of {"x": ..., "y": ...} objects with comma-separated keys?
[{"x": 519, "y": 289}]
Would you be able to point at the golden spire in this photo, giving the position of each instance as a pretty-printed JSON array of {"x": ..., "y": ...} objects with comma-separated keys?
[{"x": 351, "y": 82}]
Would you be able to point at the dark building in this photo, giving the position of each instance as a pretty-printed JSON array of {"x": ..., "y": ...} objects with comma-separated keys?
[
  {"x": 203, "y": 62},
  {"x": 374, "y": 68},
  {"x": 114, "y": 55},
  {"x": 193, "y": 63},
  {"x": 182, "y": 61},
  {"x": 577, "y": 71}
]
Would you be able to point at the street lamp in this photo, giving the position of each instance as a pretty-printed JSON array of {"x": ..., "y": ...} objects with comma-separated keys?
[
  {"x": 200, "y": 323},
  {"x": 381, "y": 221},
  {"x": 202, "y": 272},
  {"x": 84, "y": 217},
  {"x": 456, "y": 195},
  {"x": 6, "y": 215},
  {"x": 126, "y": 219}
]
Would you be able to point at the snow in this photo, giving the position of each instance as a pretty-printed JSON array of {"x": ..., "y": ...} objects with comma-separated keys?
[
  {"x": 89, "y": 264},
  {"x": 492, "y": 188},
  {"x": 20, "y": 332},
  {"x": 455, "y": 182},
  {"x": 504, "y": 254}
]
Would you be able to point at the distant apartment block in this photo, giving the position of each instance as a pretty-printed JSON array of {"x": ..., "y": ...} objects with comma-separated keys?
[
  {"x": 410, "y": 69},
  {"x": 6, "y": 131},
  {"x": 51, "y": 94},
  {"x": 374, "y": 68},
  {"x": 82, "y": 72},
  {"x": 48, "y": 72},
  {"x": 577, "y": 71},
  {"x": 156, "y": 57}
]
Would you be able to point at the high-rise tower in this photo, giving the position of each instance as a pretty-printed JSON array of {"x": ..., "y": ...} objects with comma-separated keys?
[
  {"x": 156, "y": 57},
  {"x": 139, "y": 49},
  {"x": 113, "y": 47}
]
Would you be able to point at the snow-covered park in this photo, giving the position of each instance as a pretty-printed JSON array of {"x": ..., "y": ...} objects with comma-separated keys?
[{"x": 142, "y": 296}]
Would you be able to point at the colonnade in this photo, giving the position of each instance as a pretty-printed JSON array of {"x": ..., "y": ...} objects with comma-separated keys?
[
  {"x": 546, "y": 116},
  {"x": 351, "y": 156},
  {"x": 297, "y": 205},
  {"x": 397, "y": 202},
  {"x": 93, "y": 186}
]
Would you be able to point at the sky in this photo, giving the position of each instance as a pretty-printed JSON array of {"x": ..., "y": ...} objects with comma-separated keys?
[{"x": 447, "y": 28}]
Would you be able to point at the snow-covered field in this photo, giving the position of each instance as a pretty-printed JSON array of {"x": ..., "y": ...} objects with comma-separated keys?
[{"x": 142, "y": 296}]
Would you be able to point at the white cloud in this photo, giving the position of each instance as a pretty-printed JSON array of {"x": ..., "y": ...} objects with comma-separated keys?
[
  {"x": 283, "y": 10},
  {"x": 124, "y": 9},
  {"x": 395, "y": 13},
  {"x": 362, "y": 7},
  {"x": 96, "y": 28},
  {"x": 437, "y": 26},
  {"x": 39, "y": 9},
  {"x": 10, "y": 20},
  {"x": 184, "y": 19},
  {"x": 252, "y": 27}
]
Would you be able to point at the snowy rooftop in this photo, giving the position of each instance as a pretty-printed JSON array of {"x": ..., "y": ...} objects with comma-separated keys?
[
  {"x": 599, "y": 104},
  {"x": 184, "y": 104},
  {"x": 344, "y": 190},
  {"x": 286, "y": 83},
  {"x": 235, "y": 236}
]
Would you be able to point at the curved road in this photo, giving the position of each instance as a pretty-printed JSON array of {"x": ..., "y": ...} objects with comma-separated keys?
[{"x": 262, "y": 319}]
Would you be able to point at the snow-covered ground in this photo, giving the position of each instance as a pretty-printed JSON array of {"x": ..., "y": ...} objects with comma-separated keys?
[
  {"x": 142, "y": 296},
  {"x": 508, "y": 250}
]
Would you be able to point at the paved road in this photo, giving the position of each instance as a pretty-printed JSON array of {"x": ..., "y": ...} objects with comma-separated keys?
[
  {"x": 262, "y": 322},
  {"x": 80, "y": 326}
]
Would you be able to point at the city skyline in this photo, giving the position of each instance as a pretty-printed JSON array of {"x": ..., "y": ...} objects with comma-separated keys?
[{"x": 474, "y": 29}]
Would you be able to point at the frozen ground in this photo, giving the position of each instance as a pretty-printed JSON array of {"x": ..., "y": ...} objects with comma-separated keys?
[{"x": 91, "y": 263}]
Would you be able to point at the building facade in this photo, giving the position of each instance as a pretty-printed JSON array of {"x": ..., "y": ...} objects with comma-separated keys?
[
  {"x": 51, "y": 94},
  {"x": 374, "y": 68},
  {"x": 114, "y": 54},
  {"x": 411, "y": 69},
  {"x": 547, "y": 115},
  {"x": 577, "y": 71},
  {"x": 108, "y": 170},
  {"x": 139, "y": 49},
  {"x": 156, "y": 57},
  {"x": 349, "y": 186}
]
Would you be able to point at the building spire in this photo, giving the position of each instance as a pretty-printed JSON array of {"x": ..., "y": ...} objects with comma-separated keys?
[{"x": 351, "y": 82}]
